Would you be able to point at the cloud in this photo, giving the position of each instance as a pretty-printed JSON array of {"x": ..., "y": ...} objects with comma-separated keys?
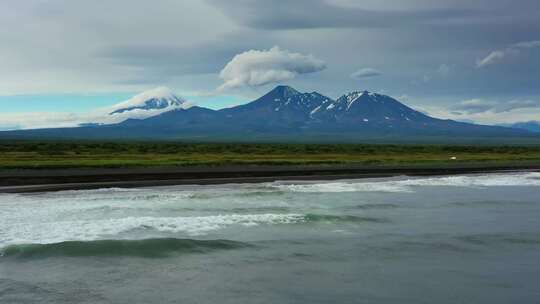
[
  {"x": 492, "y": 58},
  {"x": 472, "y": 106},
  {"x": 365, "y": 73},
  {"x": 441, "y": 72},
  {"x": 257, "y": 68},
  {"x": 133, "y": 108},
  {"x": 310, "y": 14},
  {"x": 498, "y": 55},
  {"x": 444, "y": 70},
  {"x": 161, "y": 63},
  {"x": 403, "y": 97},
  {"x": 488, "y": 118},
  {"x": 91, "y": 50},
  {"x": 527, "y": 44},
  {"x": 477, "y": 105}
]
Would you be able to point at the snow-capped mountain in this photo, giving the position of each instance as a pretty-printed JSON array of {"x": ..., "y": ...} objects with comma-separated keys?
[
  {"x": 281, "y": 108},
  {"x": 285, "y": 111},
  {"x": 283, "y": 101},
  {"x": 377, "y": 107},
  {"x": 142, "y": 106},
  {"x": 282, "y": 114},
  {"x": 363, "y": 107},
  {"x": 160, "y": 99}
]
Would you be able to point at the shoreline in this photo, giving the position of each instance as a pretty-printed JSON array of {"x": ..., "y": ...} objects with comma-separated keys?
[{"x": 29, "y": 181}]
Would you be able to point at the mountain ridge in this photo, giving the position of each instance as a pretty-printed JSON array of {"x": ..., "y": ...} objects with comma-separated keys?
[
  {"x": 532, "y": 125},
  {"x": 287, "y": 114}
]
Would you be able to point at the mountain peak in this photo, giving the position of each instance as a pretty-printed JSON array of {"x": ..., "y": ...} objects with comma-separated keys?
[
  {"x": 360, "y": 93},
  {"x": 281, "y": 113},
  {"x": 284, "y": 91},
  {"x": 350, "y": 98},
  {"x": 364, "y": 95},
  {"x": 155, "y": 99}
]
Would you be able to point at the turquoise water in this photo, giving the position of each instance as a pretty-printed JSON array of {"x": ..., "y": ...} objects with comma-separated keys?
[{"x": 458, "y": 239}]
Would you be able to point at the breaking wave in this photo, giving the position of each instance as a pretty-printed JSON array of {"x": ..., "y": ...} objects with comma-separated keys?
[
  {"x": 487, "y": 180},
  {"x": 408, "y": 185},
  {"x": 352, "y": 186},
  {"x": 314, "y": 218},
  {"x": 130, "y": 227},
  {"x": 153, "y": 248},
  {"x": 93, "y": 229}
]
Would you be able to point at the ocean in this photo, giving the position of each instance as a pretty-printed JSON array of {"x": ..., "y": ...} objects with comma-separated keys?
[{"x": 446, "y": 239}]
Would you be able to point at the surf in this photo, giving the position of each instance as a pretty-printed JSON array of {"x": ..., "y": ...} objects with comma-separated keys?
[{"x": 149, "y": 248}]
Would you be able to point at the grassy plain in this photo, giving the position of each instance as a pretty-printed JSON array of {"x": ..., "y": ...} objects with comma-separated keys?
[{"x": 63, "y": 154}]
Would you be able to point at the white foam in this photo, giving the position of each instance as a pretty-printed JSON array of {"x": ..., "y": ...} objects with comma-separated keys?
[
  {"x": 332, "y": 187},
  {"x": 85, "y": 230},
  {"x": 408, "y": 185},
  {"x": 486, "y": 180},
  {"x": 97, "y": 214}
]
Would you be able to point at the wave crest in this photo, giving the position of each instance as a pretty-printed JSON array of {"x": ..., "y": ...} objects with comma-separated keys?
[
  {"x": 137, "y": 248},
  {"x": 408, "y": 185},
  {"x": 326, "y": 218}
]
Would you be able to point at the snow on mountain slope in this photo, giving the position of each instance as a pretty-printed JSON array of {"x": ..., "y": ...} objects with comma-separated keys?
[
  {"x": 281, "y": 113},
  {"x": 365, "y": 107},
  {"x": 157, "y": 99},
  {"x": 144, "y": 105},
  {"x": 281, "y": 108},
  {"x": 307, "y": 103}
]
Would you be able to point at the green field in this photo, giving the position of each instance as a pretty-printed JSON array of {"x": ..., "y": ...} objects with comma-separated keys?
[{"x": 109, "y": 154}]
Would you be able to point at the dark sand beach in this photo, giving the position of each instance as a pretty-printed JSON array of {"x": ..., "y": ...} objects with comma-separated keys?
[{"x": 41, "y": 180}]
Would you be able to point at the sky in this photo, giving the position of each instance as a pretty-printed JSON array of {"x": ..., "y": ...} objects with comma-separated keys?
[{"x": 469, "y": 60}]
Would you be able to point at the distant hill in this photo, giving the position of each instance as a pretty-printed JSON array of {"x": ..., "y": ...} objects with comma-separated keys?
[
  {"x": 283, "y": 114},
  {"x": 533, "y": 126}
]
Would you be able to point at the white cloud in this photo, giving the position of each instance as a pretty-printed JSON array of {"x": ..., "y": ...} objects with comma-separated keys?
[
  {"x": 134, "y": 109},
  {"x": 161, "y": 97},
  {"x": 527, "y": 44},
  {"x": 444, "y": 70},
  {"x": 498, "y": 55},
  {"x": 471, "y": 106},
  {"x": 38, "y": 120},
  {"x": 256, "y": 68},
  {"x": 477, "y": 105},
  {"x": 492, "y": 58},
  {"x": 488, "y": 117},
  {"x": 403, "y": 97},
  {"x": 365, "y": 73}
]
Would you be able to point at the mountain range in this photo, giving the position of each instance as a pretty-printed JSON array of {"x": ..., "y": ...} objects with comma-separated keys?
[
  {"x": 532, "y": 126},
  {"x": 283, "y": 114}
]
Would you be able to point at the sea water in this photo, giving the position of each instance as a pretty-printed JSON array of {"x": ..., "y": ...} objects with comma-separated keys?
[{"x": 454, "y": 239}]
